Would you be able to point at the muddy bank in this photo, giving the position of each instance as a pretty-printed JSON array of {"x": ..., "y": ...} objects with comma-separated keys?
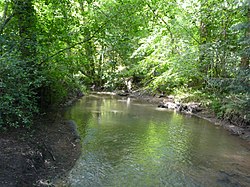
[{"x": 39, "y": 156}]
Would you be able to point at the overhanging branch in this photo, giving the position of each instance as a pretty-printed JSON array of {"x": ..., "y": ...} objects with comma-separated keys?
[
  {"x": 5, "y": 23},
  {"x": 73, "y": 46},
  {"x": 168, "y": 27}
]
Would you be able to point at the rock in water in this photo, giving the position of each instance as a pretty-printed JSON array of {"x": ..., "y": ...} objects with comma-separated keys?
[
  {"x": 167, "y": 104},
  {"x": 181, "y": 107},
  {"x": 193, "y": 107},
  {"x": 74, "y": 130}
]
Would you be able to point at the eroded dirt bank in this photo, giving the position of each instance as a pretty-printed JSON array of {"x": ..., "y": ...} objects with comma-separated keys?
[{"x": 40, "y": 156}]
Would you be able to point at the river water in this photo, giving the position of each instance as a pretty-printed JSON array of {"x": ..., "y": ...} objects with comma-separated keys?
[{"x": 126, "y": 142}]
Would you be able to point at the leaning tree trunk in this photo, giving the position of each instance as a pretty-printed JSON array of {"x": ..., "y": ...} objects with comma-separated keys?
[
  {"x": 25, "y": 14},
  {"x": 245, "y": 56}
]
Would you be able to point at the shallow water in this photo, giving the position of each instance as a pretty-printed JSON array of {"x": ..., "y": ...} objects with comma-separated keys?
[{"x": 130, "y": 143}]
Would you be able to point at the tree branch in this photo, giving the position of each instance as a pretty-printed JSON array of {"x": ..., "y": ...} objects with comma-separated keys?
[
  {"x": 73, "y": 46},
  {"x": 6, "y": 21},
  {"x": 168, "y": 27},
  {"x": 157, "y": 16}
]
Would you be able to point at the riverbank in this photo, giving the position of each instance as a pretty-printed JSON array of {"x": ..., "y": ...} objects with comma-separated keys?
[{"x": 38, "y": 156}]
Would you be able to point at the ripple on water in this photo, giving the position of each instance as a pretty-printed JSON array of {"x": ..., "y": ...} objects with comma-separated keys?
[{"x": 132, "y": 144}]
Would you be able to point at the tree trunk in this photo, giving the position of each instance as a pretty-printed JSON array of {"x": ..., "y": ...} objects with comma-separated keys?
[
  {"x": 245, "y": 56},
  {"x": 89, "y": 52},
  {"x": 25, "y": 14}
]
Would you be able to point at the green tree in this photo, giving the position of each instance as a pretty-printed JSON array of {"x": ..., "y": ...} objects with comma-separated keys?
[
  {"x": 24, "y": 13},
  {"x": 19, "y": 76},
  {"x": 53, "y": 48}
]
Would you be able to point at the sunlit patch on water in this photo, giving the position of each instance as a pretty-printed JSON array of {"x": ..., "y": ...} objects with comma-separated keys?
[{"x": 130, "y": 143}]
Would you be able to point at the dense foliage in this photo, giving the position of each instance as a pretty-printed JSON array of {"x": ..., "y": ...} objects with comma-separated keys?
[
  {"x": 17, "y": 92},
  {"x": 195, "y": 49}
]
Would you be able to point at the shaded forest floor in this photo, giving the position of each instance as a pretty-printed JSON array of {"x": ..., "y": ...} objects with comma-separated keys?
[{"x": 40, "y": 156}]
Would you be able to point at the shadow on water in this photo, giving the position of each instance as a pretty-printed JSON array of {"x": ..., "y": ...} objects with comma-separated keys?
[{"x": 131, "y": 143}]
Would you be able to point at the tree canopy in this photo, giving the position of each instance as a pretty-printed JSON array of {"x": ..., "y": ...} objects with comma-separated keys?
[{"x": 198, "y": 49}]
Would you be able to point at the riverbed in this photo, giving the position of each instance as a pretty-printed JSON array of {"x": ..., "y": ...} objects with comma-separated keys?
[{"x": 126, "y": 142}]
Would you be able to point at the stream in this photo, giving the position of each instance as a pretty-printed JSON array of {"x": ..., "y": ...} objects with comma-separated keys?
[{"x": 126, "y": 142}]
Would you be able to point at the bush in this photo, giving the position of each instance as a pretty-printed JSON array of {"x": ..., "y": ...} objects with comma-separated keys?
[
  {"x": 17, "y": 98},
  {"x": 231, "y": 96}
]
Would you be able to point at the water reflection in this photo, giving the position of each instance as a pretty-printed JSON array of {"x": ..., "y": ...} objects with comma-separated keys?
[{"x": 128, "y": 143}]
